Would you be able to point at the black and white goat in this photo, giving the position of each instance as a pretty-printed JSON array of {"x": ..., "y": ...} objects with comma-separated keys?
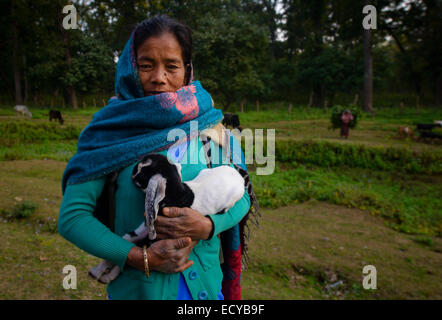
[{"x": 212, "y": 191}]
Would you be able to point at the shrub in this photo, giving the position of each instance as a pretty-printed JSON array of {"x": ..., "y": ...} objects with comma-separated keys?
[
  {"x": 25, "y": 131},
  {"x": 328, "y": 154},
  {"x": 21, "y": 210}
]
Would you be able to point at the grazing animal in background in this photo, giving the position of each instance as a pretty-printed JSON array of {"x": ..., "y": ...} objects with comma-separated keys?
[
  {"x": 438, "y": 122},
  {"x": 23, "y": 111},
  {"x": 231, "y": 119},
  {"x": 212, "y": 191},
  {"x": 405, "y": 132},
  {"x": 56, "y": 115}
]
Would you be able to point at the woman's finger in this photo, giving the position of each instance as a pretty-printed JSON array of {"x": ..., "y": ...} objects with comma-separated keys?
[
  {"x": 172, "y": 212},
  {"x": 188, "y": 264},
  {"x": 182, "y": 243}
]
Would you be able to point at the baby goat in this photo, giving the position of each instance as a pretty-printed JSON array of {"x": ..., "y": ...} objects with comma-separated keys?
[{"x": 212, "y": 191}]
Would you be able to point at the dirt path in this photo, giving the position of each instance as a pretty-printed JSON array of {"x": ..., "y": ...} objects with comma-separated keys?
[{"x": 318, "y": 250}]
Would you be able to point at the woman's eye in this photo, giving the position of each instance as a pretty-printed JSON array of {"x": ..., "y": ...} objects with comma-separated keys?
[
  {"x": 145, "y": 66},
  {"x": 172, "y": 67}
]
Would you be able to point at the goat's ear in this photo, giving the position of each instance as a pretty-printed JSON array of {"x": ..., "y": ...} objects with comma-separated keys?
[{"x": 155, "y": 193}]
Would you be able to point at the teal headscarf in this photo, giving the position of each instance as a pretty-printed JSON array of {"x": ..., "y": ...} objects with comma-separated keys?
[{"x": 132, "y": 125}]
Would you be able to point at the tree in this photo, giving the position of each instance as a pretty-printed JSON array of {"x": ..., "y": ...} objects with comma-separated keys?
[
  {"x": 415, "y": 28},
  {"x": 229, "y": 51},
  {"x": 368, "y": 68},
  {"x": 334, "y": 69}
]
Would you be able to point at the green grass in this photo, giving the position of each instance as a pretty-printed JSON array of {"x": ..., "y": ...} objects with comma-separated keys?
[
  {"x": 61, "y": 151},
  {"x": 329, "y": 154},
  {"x": 409, "y": 203},
  {"x": 356, "y": 192},
  {"x": 25, "y": 131},
  {"x": 382, "y": 116}
]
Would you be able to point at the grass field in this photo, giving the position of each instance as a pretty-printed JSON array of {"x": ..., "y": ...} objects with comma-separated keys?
[{"x": 322, "y": 221}]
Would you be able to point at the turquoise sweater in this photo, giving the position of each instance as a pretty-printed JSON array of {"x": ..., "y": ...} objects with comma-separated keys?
[{"x": 77, "y": 224}]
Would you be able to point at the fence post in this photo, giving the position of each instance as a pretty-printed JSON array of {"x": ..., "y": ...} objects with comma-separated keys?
[{"x": 355, "y": 100}]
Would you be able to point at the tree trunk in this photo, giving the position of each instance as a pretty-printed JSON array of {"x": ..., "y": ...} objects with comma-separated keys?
[
  {"x": 73, "y": 97},
  {"x": 15, "y": 64},
  {"x": 437, "y": 89},
  {"x": 355, "y": 100},
  {"x": 368, "y": 71},
  {"x": 25, "y": 76},
  {"x": 71, "y": 89},
  {"x": 318, "y": 95},
  {"x": 310, "y": 100}
]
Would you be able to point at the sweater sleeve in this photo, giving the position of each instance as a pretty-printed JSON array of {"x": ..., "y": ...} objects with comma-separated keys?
[
  {"x": 225, "y": 221},
  {"x": 77, "y": 224}
]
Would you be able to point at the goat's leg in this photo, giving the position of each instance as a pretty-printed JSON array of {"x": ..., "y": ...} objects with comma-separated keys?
[
  {"x": 111, "y": 275},
  {"x": 99, "y": 270},
  {"x": 106, "y": 271}
]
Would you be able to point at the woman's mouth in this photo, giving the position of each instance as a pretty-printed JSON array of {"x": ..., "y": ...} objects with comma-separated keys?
[{"x": 152, "y": 93}]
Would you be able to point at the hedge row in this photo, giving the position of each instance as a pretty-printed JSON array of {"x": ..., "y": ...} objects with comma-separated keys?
[
  {"x": 328, "y": 154},
  {"x": 22, "y": 131}
]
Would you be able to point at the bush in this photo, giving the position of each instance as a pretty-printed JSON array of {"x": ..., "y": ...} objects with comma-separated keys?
[
  {"x": 328, "y": 154},
  {"x": 24, "y": 131},
  {"x": 21, "y": 210}
]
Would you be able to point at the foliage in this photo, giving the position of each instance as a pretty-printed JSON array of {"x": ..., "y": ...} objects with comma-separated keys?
[
  {"x": 410, "y": 203},
  {"x": 228, "y": 53},
  {"x": 327, "y": 154},
  {"x": 244, "y": 49},
  {"x": 25, "y": 131},
  {"x": 21, "y": 210},
  {"x": 92, "y": 67},
  {"x": 336, "y": 114},
  {"x": 333, "y": 68}
]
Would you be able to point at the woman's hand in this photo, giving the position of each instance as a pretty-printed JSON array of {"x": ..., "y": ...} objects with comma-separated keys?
[
  {"x": 171, "y": 256},
  {"x": 168, "y": 256},
  {"x": 183, "y": 222}
]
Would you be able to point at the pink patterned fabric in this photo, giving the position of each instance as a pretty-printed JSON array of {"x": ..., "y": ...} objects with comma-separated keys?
[
  {"x": 347, "y": 117},
  {"x": 184, "y": 100}
]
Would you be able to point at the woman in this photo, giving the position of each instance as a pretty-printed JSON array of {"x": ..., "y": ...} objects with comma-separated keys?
[
  {"x": 155, "y": 94},
  {"x": 346, "y": 118}
]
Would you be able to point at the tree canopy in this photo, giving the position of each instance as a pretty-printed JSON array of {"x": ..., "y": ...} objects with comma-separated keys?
[{"x": 268, "y": 50}]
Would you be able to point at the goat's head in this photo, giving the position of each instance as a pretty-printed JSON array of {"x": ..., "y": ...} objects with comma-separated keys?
[
  {"x": 153, "y": 164},
  {"x": 151, "y": 175}
]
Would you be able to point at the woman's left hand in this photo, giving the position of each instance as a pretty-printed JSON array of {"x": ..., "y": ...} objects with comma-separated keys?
[{"x": 183, "y": 222}]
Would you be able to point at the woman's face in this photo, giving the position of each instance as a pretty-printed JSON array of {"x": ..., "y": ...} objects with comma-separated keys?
[{"x": 160, "y": 64}]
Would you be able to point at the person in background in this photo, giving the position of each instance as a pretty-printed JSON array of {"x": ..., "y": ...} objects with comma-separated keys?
[{"x": 346, "y": 118}]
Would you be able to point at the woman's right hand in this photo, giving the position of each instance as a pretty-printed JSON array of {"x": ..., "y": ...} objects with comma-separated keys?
[
  {"x": 168, "y": 256},
  {"x": 171, "y": 255}
]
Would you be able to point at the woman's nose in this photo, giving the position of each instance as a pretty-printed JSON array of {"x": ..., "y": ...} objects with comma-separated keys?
[{"x": 159, "y": 76}]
